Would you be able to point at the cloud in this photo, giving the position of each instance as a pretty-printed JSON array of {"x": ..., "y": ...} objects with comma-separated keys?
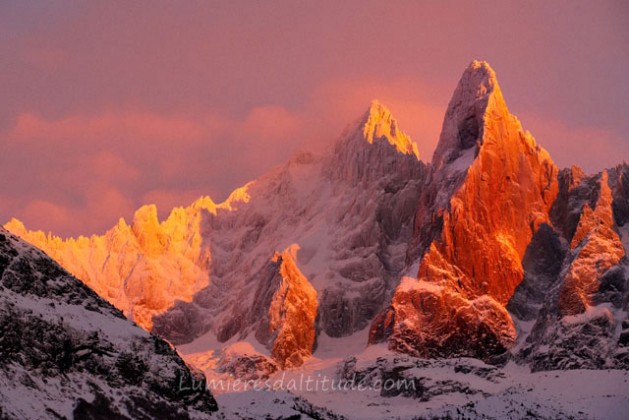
[
  {"x": 81, "y": 131},
  {"x": 64, "y": 219},
  {"x": 48, "y": 60},
  {"x": 56, "y": 215},
  {"x": 79, "y": 173}
]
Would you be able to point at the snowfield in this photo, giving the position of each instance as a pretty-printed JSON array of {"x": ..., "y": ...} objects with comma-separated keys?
[
  {"x": 451, "y": 389},
  {"x": 454, "y": 388}
]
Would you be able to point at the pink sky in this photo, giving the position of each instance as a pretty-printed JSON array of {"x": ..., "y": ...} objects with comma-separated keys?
[{"x": 110, "y": 105}]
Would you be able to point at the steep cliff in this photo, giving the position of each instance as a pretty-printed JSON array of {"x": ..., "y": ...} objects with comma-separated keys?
[
  {"x": 489, "y": 189},
  {"x": 291, "y": 313},
  {"x": 583, "y": 320}
]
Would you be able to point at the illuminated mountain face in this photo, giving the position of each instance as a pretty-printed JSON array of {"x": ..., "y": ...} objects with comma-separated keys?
[
  {"x": 435, "y": 260},
  {"x": 491, "y": 187}
]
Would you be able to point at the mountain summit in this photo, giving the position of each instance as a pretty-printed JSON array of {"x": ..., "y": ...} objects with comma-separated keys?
[
  {"x": 476, "y": 96},
  {"x": 378, "y": 123},
  {"x": 490, "y": 187},
  {"x": 374, "y": 147}
]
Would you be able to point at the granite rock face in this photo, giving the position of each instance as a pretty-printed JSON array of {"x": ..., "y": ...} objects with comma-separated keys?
[
  {"x": 284, "y": 312},
  {"x": 489, "y": 190},
  {"x": 583, "y": 320}
]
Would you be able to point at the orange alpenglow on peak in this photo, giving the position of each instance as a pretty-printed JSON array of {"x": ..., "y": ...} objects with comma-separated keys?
[
  {"x": 596, "y": 247},
  {"x": 378, "y": 122},
  {"x": 491, "y": 187},
  {"x": 373, "y": 147},
  {"x": 156, "y": 262}
]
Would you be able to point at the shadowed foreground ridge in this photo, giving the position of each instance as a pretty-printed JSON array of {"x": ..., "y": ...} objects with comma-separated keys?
[{"x": 66, "y": 353}]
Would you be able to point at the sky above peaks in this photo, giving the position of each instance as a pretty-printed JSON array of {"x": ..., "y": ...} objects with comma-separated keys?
[{"x": 110, "y": 105}]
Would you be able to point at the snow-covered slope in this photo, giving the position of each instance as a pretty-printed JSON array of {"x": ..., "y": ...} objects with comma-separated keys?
[
  {"x": 65, "y": 352},
  {"x": 376, "y": 383}
]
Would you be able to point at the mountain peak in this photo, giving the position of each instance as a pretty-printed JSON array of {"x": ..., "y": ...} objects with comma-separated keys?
[
  {"x": 379, "y": 123},
  {"x": 373, "y": 147},
  {"x": 477, "y": 94},
  {"x": 480, "y": 73},
  {"x": 477, "y": 83},
  {"x": 15, "y": 225}
]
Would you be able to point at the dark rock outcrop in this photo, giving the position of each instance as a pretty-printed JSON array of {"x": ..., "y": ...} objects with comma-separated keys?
[{"x": 69, "y": 353}]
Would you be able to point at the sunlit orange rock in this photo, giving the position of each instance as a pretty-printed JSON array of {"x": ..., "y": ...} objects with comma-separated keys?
[
  {"x": 489, "y": 189},
  {"x": 375, "y": 148},
  {"x": 596, "y": 248},
  {"x": 142, "y": 268},
  {"x": 582, "y": 322},
  {"x": 292, "y": 313},
  {"x": 282, "y": 312}
]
